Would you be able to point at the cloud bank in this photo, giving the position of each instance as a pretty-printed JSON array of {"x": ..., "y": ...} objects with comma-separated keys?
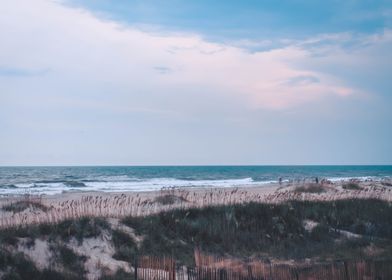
[
  {"x": 81, "y": 48},
  {"x": 67, "y": 64}
]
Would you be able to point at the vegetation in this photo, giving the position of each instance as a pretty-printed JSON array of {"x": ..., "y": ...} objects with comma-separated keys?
[
  {"x": 120, "y": 275},
  {"x": 168, "y": 199},
  {"x": 71, "y": 263},
  {"x": 126, "y": 248},
  {"x": 77, "y": 228},
  {"x": 345, "y": 229},
  {"x": 351, "y": 186},
  {"x": 22, "y": 205},
  {"x": 310, "y": 188},
  {"x": 16, "y": 266},
  {"x": 275, "y": 231},
  {"x": 57, "y": 235}
]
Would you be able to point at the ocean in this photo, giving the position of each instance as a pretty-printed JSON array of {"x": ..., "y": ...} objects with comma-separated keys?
[{"x": 55, "y": 180}]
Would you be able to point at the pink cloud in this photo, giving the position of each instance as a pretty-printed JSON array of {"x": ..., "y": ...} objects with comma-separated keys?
[{"x": 93, "y": 53}]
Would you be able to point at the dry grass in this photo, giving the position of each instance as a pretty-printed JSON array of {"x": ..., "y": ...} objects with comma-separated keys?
[{"x": 135, "y": 204}]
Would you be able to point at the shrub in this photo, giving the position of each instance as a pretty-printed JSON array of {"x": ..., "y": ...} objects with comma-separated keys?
[
  {"x": 22, "y": 205},
  {"x": 320, "y": 233},
  {"x": 67, "y": 258},
  {"x": 126, "y": 248},
  {"x": 17, "y": 266},
  {"x": 119, "y": 275},
  {"x": 169, "y": 199},
  {"x": 351, "y": 186},
  {"x": 7, "y": 236},
  {"x": 79, "y": 228},
  {"x": 310, "y": 188}
]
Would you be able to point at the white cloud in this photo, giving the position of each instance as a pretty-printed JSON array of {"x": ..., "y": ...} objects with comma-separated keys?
[{"x": 97, "y": 55}]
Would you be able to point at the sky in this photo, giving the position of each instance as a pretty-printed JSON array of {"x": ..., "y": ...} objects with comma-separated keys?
[{"x": 186, "y": 82}]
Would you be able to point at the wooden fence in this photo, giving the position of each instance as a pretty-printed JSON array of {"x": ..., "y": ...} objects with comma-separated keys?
[
  {"x": 150, "y": 267},
  {"x": 155, "y": 268}
]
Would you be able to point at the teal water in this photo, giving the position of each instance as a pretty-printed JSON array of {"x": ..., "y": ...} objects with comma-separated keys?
[{"x": 53, "y": 180}]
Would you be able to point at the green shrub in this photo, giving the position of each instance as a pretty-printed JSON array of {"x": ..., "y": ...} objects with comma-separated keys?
[
  {"x": 321, "y": 233},
  {"x": 119, "y": 275},
  {"x": 79, "y": 229},
  {"x": 126, "y": 249},
  {"x": 67, "y": 258},
  {"x": 351, "y": 186},
  {"x": 7, "y": 236},
  {"x": 310, "y": 188},
  {"x": 168, "y": 199},
  {"x": 65, "y": 230},
  {"x": 22, "y": 205},
  {"x": 17, "y": 266}
]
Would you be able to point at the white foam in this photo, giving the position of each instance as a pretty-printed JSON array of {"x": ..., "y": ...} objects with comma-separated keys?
[
  {"x": 360, "y": 178},
  {"x": 128, "y": 185},
  {"x": 159, "y": 183}
]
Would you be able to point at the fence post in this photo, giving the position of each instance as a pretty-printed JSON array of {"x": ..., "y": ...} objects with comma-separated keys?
[
  {"x": 172, "y": 274},
  {"x": 296, "y": 273},
  {"x": 135, "y": 265},
  {"x": 346, "y": 270}
]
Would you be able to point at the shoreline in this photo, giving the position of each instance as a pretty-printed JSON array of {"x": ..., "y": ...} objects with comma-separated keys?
[{"x": 363, "y": 180}]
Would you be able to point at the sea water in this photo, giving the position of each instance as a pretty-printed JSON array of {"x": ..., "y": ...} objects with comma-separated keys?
[{"x": 55, "y": 180}]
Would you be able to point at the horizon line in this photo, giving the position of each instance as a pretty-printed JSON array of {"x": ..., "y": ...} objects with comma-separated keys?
[{"x": 194, "y": 165}]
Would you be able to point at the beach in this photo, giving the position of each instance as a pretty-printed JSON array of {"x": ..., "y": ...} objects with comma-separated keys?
[{"x": 143, "y": 203}]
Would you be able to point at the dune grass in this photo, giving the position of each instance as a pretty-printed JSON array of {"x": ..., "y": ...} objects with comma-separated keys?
[{"x": 275, "y": 231}]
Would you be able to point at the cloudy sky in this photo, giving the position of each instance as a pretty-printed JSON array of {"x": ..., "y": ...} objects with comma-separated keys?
[{"x": 136, "y": 82}]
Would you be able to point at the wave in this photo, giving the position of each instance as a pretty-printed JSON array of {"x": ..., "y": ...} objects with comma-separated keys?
[
  {"x": 8, "y": 187},
  {"x": 124, "y": 186},
  {"x": 131, "y": 184},
  {"x": 359, "y": 178},
  {"x": 48, "y": 181},
  {"x": 74, "y": 184}
]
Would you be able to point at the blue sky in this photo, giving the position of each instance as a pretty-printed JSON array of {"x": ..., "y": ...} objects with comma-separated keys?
[
  {"x": 247, "y": 19},
  {"x": 195, "y": 82}
]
